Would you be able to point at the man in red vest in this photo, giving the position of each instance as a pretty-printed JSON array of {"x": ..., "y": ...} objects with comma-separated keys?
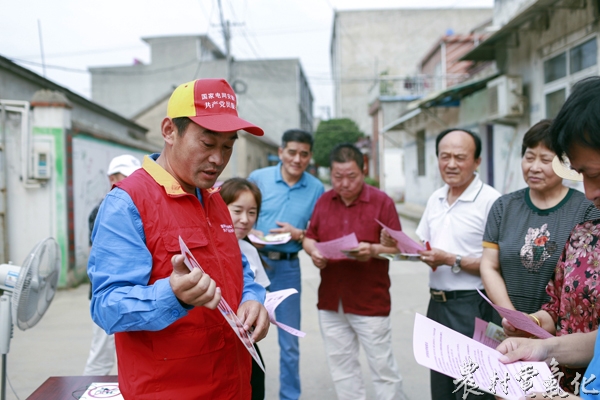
[{"x": 172, "y": 342}]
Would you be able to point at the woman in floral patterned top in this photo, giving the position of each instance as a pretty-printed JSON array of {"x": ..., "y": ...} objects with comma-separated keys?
[{"x": 573, "y": 290}]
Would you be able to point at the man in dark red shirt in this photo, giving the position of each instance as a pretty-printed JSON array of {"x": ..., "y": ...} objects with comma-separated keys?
[{"x": 354, "y": 297}]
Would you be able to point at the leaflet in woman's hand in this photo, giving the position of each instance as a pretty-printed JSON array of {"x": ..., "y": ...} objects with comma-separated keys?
[
  {"x": 475, "y": 367},
  {"x": 519, "y": 320}
]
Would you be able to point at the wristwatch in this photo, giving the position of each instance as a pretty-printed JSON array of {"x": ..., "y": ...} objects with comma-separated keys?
[{"x": 456, "y": 267}]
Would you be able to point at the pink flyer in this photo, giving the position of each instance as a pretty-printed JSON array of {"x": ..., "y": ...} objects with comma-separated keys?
[
  {"x": 405, "y": 243},
  {"x": 231, "y": 318},
  {"x": 272, "y": 301},
  {"x": 332, "y": 250},
  {"x": 519, "y": 320}
]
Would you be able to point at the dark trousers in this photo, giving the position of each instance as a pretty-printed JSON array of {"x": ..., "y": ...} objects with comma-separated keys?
[
  {"x": 257, "y": 379},
  {"x": 459, "y": 315}
]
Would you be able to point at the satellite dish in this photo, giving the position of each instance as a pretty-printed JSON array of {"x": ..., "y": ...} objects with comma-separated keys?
[{"x": 28, "y": 291}]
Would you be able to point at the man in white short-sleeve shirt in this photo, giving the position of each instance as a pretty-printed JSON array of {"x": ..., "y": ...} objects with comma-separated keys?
[{"x": 453, "y": 224}]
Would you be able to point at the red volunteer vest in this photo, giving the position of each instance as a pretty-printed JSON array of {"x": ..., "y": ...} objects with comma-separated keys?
[{"x": 199, "y": 356}]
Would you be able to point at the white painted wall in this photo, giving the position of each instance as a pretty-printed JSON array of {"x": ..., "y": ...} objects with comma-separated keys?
[
  {"x": 508, "y": 176},
  {"x": 419, "y": 188},
  {"x": 35, "y": 212},
  {"x": 394, "y": 173},
  {"x": 33, "y": 208},
  {"x": 90, "y": 184},
  {"x": 31, "y": 212}
]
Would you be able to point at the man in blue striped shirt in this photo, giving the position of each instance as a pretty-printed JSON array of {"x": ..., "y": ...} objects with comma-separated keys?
[{"x": 289, "y": 195}]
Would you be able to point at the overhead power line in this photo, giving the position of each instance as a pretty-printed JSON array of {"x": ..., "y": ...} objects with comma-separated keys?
[
  {"x": 314, "y": 78},
  {"x": 85, "y": 71},
  {"x": 83, "y": 52},
  {"x": 286, "y": 31},
  {"x": 58, "y": 67}
]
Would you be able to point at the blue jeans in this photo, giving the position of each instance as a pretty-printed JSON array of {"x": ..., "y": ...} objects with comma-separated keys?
[{"x": 285, "y": 274}]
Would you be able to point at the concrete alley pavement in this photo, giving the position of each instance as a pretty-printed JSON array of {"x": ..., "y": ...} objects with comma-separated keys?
[{"x": 58, "y": 345}]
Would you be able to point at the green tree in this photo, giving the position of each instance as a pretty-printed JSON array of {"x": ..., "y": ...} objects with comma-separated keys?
[{"x": 331, "y": 133}]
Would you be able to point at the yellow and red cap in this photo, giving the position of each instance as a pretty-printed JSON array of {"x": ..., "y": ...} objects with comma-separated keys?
[{"x": 210, "y": 103}]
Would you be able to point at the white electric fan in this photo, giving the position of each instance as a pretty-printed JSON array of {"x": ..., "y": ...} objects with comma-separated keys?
[{"x": 28, "y": 291}]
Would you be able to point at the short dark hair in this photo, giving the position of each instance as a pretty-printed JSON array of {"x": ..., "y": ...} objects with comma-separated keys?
[
  {"x": 578, "y": 121},
  {"x": 296, "y": 135},
  {"x": 536, "y": 135},
  {"x": 233, "y": 187},
  {"x": 346, "y": 152},
  {"x": 475, "y": 137},
  {"x": 181, "y": 123}
]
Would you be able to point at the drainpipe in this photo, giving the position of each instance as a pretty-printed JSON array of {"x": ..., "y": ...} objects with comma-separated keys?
[{"x": 4, "y": 254}]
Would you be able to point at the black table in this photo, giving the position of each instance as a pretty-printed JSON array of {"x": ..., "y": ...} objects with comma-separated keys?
[{"x": 67, "y": 387}]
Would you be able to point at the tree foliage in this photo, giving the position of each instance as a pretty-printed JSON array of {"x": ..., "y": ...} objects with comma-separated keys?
[{"x": 331, "y": 133}]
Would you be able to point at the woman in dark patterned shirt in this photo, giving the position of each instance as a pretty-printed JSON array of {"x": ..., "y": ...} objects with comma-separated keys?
[{"x": 527, "y": 229}]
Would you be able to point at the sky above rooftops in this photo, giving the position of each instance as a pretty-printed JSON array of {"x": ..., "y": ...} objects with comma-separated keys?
[{"x": 79, "y": 34}]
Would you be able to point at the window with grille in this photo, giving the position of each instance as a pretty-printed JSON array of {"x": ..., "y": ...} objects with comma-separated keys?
[{"x": 564, "y": 69}]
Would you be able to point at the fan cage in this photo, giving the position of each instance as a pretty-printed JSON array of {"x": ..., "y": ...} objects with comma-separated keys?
[{"x": 37, "y": 284}]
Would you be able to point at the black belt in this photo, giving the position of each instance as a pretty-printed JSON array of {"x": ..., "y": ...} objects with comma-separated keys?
[
  {"x": 441, "y": 296},
  {"x": 277, "y": 255}
]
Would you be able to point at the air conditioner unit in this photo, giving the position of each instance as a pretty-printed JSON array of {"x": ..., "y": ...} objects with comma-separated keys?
[{"x": 505, "y": 95}]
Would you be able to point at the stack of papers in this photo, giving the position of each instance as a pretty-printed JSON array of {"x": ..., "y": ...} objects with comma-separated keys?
[
  {"x": 450, "y": 353},
  {"x": 272, "y": 238},
  {"x": 401, "y": 256}
]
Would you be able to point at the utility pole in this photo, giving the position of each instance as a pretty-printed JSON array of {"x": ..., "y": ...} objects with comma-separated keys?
[
  {"x": 225, "y": 26},
  {"x": 42, "y": 47},
  {"x": 229, "y": 74}
]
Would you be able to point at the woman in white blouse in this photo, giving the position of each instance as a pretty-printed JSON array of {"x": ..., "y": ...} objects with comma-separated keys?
[{"x": 243, "y": 198}]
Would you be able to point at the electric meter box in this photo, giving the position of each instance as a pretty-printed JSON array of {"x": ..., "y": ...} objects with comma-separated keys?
[{"x": 41, "y": 160}]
